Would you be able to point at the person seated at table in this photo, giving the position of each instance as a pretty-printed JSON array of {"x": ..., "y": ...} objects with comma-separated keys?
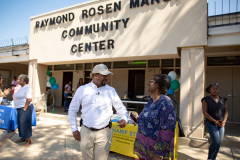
[
  {"x": 80, "y": 83},
  {"x": 156, "y": 123},
  {"x": 23, "y": 104},
  {"x": 67, "y": 92},
  {"x": 5, "y": 92}
]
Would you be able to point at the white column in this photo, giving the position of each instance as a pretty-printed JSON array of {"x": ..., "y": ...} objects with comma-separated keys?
[
  {"x": 197, "y": 127},
  {"x": 30, "y": 70},
  {"x": 35, "y": 78},
  {"x": 184, "y": 90},
  {"x": 192, "y": 91}
]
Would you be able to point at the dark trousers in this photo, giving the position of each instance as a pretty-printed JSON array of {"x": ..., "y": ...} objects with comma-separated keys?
[
  {"x": 25, "y": 122},
  {"x": 66, "y": 101}
]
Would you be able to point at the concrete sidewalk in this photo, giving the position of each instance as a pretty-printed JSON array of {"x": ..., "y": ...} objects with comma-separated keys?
[
  {"x": 52, "y": 139},
  {"x": 191, "y": 153}
]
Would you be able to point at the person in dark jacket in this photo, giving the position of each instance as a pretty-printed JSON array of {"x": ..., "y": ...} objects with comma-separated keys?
[{"x": 214, "y": 108}]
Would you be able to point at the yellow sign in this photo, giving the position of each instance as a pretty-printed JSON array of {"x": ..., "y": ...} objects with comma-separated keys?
[{"x": 123, "y": 140}]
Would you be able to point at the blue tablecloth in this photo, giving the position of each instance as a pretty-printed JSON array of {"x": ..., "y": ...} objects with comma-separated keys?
[{"x": 8, "y": 117}]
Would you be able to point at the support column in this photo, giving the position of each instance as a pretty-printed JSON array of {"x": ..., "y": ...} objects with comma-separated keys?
[
  {"x": 37, "y": 78},
  {"x": 198, "y": 127},
  {"x": 192, "y": 91},
  {"x": 30, "y": 70},
  {"x": 34, "y": 78},
  {"x": 184, "y": 89}
]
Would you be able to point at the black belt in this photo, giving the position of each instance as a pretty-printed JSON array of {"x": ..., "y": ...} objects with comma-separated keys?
[{"x": 94, "y": 129}]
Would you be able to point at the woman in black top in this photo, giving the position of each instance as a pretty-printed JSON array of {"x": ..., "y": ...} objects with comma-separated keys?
[{"x": 215, "y": 110}]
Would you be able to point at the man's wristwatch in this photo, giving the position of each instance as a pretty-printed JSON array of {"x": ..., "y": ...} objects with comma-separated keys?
[{"x": 216, "y": 122}]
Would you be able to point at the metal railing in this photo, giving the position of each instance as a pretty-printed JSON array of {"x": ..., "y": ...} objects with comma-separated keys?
[
  {"x": 224, "y": 19},
  {"x": 14, "y": 45},
  {"x": 13, "y": 42}
]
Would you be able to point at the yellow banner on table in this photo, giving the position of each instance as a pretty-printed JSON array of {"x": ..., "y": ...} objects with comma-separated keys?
[
  {"x": 176, "y": 139},
  {"x": 123, "y": 140}
]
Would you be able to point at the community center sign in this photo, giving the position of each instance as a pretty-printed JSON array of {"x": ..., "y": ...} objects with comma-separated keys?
[{"x": 96, "y": 27}]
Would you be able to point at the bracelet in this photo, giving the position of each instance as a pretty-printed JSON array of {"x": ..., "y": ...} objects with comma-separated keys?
[{"x": 216, "y": 122}]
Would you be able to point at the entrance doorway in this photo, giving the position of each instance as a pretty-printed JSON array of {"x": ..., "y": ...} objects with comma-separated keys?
[
  {"x": 228, "y": 79},
  {"x": 136, "y": 83},
  {"x": 66, "y": 77}
]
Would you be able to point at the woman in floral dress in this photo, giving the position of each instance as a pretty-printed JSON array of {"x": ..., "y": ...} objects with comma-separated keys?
[{"x": 156, "y": 123}]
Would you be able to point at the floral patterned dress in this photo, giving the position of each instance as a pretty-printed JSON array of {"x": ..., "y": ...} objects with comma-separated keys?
[{"x": 156, "y": 125}]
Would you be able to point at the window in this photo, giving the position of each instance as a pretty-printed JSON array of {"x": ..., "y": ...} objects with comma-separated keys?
[
  {"x": 166, "y": 71},
  {"x": 88, "y": 65},
  {"x": 223, "y": 61},
  {"x": 79, "y": 66},
  {"x": 130, "y": 64},
  {"x": 178, "y": 71},
  {"x": 96, "y": 63},
  {"x": 64, "y": 67},
  {"x": 50, "y": 68},
  {"x": 153, "y": 63},
  {"x": 88, "y": 74},
  {"x": 167, "y": 62},
  {"x": 178, "y": 62},
  {"x": 108, "y": 64}
]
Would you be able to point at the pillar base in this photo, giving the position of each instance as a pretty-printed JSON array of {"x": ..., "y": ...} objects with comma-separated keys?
[{"x": 194, "y": 133}]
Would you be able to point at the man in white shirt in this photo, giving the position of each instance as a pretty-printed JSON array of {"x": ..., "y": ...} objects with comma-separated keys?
[{"x": 97, "y": 100}]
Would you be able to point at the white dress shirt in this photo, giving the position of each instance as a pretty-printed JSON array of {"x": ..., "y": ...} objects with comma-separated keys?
[
  {"x": 96, "y": 106},
  {"x": 21, "y": 96}
]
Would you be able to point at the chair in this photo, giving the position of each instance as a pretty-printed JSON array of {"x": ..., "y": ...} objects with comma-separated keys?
[{"x": 40, "y": 105}]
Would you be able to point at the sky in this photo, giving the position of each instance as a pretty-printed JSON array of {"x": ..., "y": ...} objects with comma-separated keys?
[
  {"x": 222, "y": 6},
  {"x": 15, "y": 14}
]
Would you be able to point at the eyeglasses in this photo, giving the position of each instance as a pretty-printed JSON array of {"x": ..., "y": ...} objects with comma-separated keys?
[
  {"x": 151, "y": 81},
  {"x": 214, "y": 84}
]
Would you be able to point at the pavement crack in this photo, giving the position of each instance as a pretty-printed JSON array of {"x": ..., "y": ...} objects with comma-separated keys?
[{"x": 232, "y": 154}]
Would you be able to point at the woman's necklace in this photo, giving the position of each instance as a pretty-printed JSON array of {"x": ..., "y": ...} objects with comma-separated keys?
[{"x": 215, "y": 99}]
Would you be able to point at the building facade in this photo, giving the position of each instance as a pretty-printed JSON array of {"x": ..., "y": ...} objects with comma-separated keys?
[{"x": 137, "y": 39}]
